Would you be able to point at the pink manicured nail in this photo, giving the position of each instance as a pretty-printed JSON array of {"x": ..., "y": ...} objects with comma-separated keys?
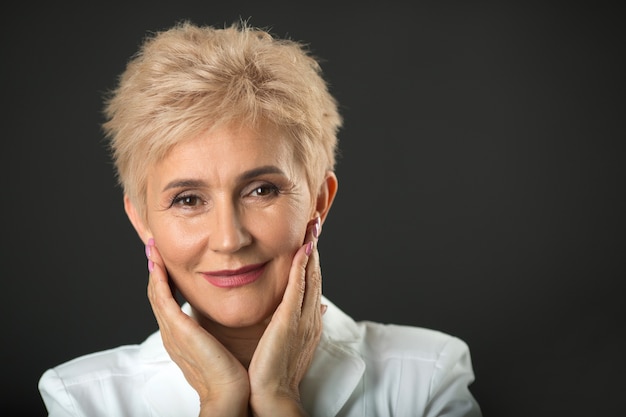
[
  {"x": 148, "y": 246},
  {"x": 318, "y": 227},
  {"x": 309, "y": 248},
  {"x": 150, "y": 265}
]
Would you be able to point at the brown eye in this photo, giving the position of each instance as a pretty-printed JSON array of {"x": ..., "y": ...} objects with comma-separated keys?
[
  {"x": 264, "y": 190},
  {"x": 187, "y": 200}
]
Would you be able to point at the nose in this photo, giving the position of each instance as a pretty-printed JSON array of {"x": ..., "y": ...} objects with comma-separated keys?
[{"x": 227, "y": 231}]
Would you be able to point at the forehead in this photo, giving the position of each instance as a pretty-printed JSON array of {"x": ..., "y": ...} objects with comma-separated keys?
[{"x": 225, "y": 151}]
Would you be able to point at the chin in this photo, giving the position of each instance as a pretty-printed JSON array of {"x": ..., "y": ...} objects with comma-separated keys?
[{"x": 235, "y": 315}]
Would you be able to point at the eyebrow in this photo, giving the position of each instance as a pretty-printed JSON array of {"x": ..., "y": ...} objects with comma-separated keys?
[{"x": 252, "y": 173}]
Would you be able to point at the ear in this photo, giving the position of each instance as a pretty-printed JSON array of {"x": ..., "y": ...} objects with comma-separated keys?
[
  {"x": 137, "y": 220},
  {"x": 326, "y": 195}
]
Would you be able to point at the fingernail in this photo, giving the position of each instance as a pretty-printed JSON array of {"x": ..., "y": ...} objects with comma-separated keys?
[
  {"x": 148, "y": 246},
  {"x": 316, "y": 228},
  {"x": 150, "y": 265},
  {"x": 324, "y": 308},
  {"x": 309, "y": 248}
]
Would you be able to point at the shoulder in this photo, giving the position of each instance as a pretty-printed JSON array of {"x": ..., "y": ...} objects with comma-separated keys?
[
  {"x": 430, "y": 354},
  {"x": 382, "y": 341},
  {"x": 96, "y": 365},
  {"x": 94, "y": 376},
  {"x": 419, "y": 367},
  {"x": 393, "y": 340},
  {"x": 118, "y": 361},
  {"x": 411, "y": 369}
]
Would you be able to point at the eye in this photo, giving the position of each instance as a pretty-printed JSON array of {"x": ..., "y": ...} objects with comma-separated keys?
[
  {"x": 187, "y": 200},
  {"x": 264, "y": 190}
]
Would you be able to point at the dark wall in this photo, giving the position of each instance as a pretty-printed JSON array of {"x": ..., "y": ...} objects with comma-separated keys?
[{"x": 481, "y": 187}]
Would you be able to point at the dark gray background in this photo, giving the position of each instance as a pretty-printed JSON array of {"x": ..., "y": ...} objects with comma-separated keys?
[{"x": 481, "y": 186}]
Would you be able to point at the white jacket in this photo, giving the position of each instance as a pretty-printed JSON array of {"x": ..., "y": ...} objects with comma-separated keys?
[{"x": 359, "y": 369}]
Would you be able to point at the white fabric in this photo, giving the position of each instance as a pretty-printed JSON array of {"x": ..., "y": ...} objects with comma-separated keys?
[{"x": 359, "y": 369}]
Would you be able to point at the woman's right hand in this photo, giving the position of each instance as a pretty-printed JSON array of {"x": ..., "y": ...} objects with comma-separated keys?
[{"x": 218, "y": 377}]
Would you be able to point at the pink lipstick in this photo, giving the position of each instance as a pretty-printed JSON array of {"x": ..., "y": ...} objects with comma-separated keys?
[{"x": 235, "y": 278}]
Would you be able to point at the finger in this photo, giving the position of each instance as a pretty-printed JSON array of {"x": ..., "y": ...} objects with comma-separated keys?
[
  {"x": 164, "y": 305},
  {"x": 313, "y": 278},
  {"x": 158, "y": 274},
  {"x": 293, "y": 297},
  {"x": 294, "y": 293},
  {"x": 311, "y": 304},
  {"x": 154, "y": 256}
]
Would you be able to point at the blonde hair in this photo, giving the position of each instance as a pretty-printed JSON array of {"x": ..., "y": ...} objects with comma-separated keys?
[{"x": 188, "y": 79}]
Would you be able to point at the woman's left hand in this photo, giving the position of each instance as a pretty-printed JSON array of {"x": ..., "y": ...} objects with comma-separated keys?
[{"x": 286, "y": 349}]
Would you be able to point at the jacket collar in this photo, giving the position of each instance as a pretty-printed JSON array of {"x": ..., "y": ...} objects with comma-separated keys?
[{"x": 333, "y": 375}]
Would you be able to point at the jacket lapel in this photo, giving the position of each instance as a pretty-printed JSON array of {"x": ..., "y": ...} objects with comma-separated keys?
[
  {"x": 167, "y": 392},
  {"x": 332, "y": 378},
  {"x": 336, "y": 369}
]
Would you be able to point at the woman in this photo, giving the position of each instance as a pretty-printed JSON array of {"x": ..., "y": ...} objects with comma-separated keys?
[{"x": 224, "y": 141}]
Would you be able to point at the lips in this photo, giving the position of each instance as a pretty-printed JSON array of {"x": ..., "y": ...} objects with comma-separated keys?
[{"x": 235, "y": 278}]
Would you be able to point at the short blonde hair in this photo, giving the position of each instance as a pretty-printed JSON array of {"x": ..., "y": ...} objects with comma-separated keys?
[{"x": 188, "y": 79}]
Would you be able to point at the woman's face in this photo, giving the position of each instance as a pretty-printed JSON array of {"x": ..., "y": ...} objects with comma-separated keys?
[{"x": 227, "y": 211}]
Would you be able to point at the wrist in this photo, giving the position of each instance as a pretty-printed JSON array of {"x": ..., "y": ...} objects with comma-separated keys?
[
  {"x": 225, "y": 405},
  {"x": 280, "y": 406},
  {"x": 224, "y": 409}
]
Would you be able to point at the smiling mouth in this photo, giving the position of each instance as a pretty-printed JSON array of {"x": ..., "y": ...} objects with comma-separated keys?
[{"x": 235, "y": 278}]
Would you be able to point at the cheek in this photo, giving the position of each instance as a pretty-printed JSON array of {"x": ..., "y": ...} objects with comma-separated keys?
[
  {"x": 286, "y": 235},
  {"x": 177, "y": 244},
  {"x": 281, "y": 242}
]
